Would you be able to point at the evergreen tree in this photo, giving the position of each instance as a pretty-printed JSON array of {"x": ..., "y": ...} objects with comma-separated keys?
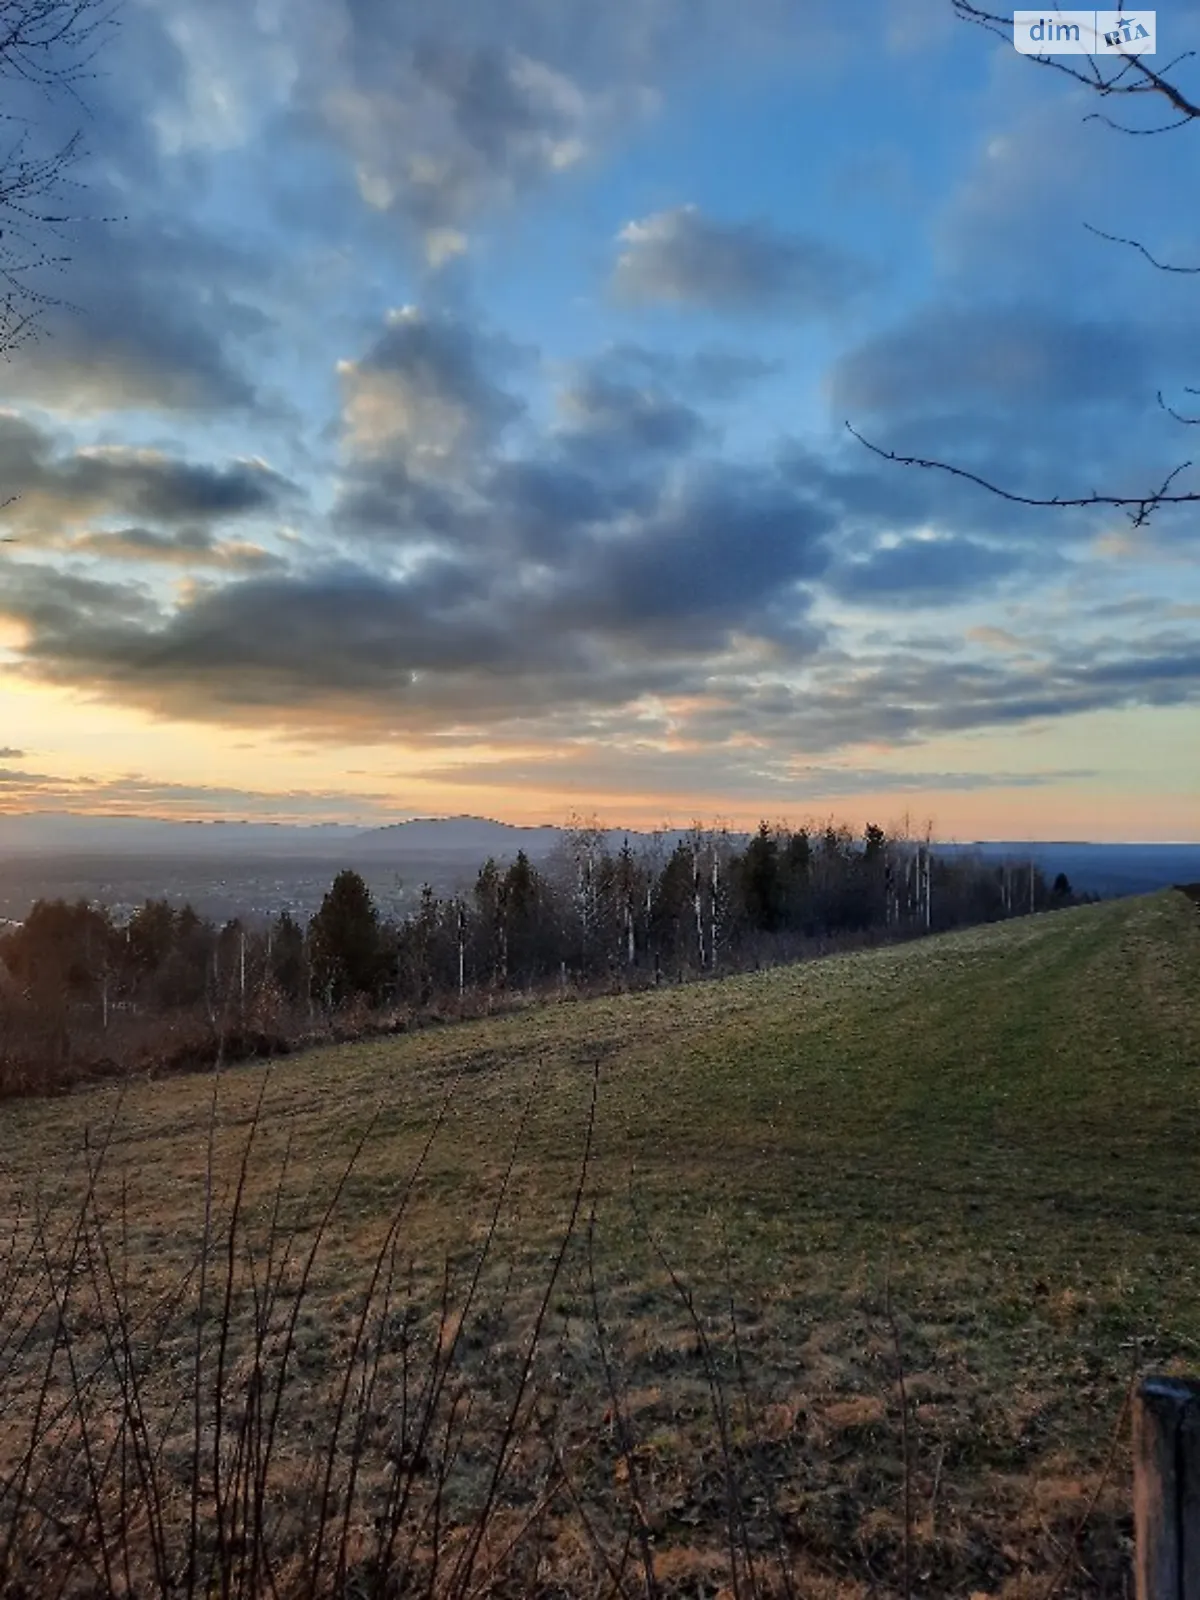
[
  {"x": 345, "y": 939},
  {"x": 523, "y": 907},
  {"x": 288, "y": 962},
  {"x": 797, "y": 881},
  {"x": 490, "y": 961},
  {"x": 762, "y": 881}
]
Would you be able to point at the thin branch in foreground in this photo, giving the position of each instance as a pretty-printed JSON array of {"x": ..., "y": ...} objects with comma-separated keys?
[
  {"x": 1086, "y": 1515},
  {"x": 1177, "y": 416},
  {"x": 902, "y": 1389},
  {"x": 1145, "y": 79},
  {"x": 463, "y": 1569},
  {"x": 624, "y": 1434},
  {"x": 1135, "y": 244},
  {"x": 1144, "y": 504}
]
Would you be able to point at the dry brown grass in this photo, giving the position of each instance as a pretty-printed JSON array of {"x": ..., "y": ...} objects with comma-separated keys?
[{"x": 998, "y": 1127}]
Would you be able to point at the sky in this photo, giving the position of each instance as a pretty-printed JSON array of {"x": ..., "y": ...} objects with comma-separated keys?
[{"x": 449, "y": 415}]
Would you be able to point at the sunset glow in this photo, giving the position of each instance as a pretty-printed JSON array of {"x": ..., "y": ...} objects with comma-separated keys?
[{"x": 452, "y": 419}]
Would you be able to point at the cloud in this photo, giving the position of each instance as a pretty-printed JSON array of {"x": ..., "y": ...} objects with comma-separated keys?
[
  {"x": 993, "y": 638},
  {"x": 190, "y": 547},
  {"x": 706, "y": 374},
  {"x": 454, "y": 125},
  {"x": 428, "y": 389},
  {"x": 902, "y": 697},
  {"x": 154, "y": 310},
  {"x": 729, "y": 549},
  {"x": 443, "y": 116},
  {"x": 675, "y": 639},
  {"x": 999, "y": 356},
  {"x": 733, "y": 771},
  {"x": 1038, "y": 402},
  {"x": 52, "y": 486},
  {"x": 467, "y": 634},
  {"x": 610, "y": 421},
  {"x": 432, "y": 425},
  {"x": 61, "y": 606},
  {"x": 540, "y": 508},
  {"x": 938, "y": 571},
  {"x": 11, "y": 779},
  {"x": 135, "y": 794},
  {"x": 684, "y": 258},
  {"x": 9, "y": 754}
]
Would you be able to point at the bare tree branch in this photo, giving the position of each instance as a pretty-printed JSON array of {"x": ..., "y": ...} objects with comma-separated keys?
[
  {"x": 1178, "y": 416},
  {"x": 1132, "y": 77},
  {"x": 1143, "y": 505},
  {"x": 49, "y": 44},
  {"x": 1115, "y": 238},
  {"x": 1138, "y": 133}
]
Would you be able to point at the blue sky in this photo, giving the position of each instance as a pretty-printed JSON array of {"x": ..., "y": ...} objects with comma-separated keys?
[{"x": 450, "y": 416}]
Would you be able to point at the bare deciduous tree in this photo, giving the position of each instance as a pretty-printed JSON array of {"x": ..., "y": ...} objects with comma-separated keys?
[{"x": 49, "y": 46}]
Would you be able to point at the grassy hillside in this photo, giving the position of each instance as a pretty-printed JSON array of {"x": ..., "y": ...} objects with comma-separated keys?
[{"x": 998, "y": 1132}]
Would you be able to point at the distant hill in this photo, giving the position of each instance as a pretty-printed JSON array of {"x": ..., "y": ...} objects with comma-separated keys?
[
  {"x": 469, "y": 839},
  {"x": 1105, "y": 869},
  {"x": 479, "y": 836}
]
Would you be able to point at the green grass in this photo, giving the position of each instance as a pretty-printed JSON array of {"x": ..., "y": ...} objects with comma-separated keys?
[{"x": 1000, "y": 1129}]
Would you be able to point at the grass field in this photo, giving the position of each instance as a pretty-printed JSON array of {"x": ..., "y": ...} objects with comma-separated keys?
[{"x": 974, "y": 1160}]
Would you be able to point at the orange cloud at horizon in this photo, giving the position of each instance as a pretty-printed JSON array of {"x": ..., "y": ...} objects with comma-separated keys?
[{"x": 1109, "y": 777}]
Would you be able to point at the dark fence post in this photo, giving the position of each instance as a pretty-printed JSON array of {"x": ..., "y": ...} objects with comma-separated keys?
[{"x": 1166, "y": 1488}]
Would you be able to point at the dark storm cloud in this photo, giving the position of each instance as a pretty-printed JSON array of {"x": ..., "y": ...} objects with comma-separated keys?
[{"x": 682, "y": 257}]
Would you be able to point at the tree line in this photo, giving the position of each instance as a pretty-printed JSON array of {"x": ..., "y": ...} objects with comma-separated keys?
[{"x": 589, "y": 914}]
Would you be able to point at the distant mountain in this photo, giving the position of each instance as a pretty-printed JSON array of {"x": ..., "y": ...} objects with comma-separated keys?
[
  {"x": 466, "y": 842},
  {"x": 479, "y": 836},
  {"x": 471, "y": 838}
]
